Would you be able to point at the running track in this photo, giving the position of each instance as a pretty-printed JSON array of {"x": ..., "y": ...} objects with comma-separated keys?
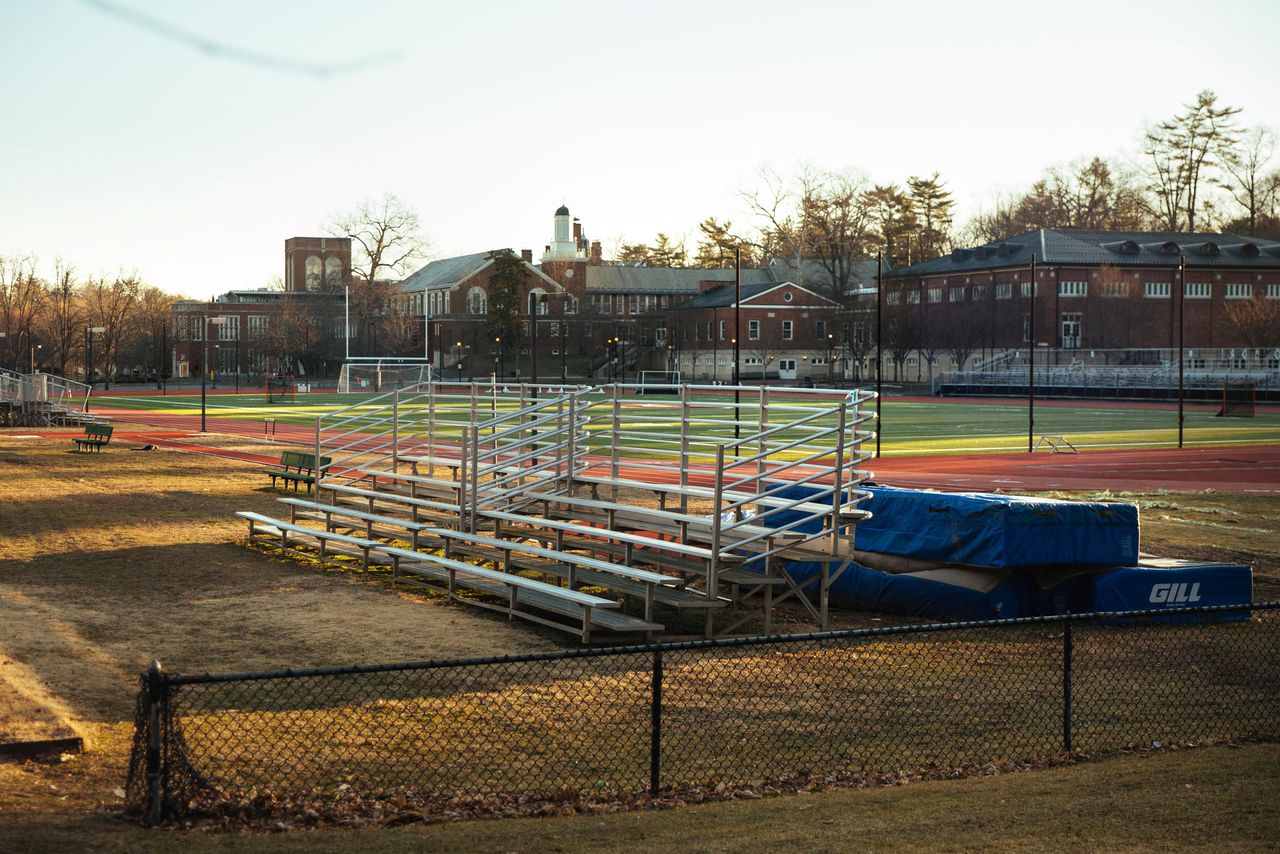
[{"x": 1239, "y": 469}]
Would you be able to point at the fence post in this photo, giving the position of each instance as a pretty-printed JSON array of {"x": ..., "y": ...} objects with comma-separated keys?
[
  {"x": 655, "y": 733},
  {"x": 155, "y": 775},
  {"x": 1067, "y": 647}
]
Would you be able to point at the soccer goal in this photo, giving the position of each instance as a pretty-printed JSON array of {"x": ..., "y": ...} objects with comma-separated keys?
[
  {"x": 281, "y": 389},
  {"x": 659, "y": 382},
  {"x": 378, "y": 375},
  {"x": 1238, "y": 399}
]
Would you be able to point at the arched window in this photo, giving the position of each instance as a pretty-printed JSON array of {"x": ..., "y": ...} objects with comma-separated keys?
[
  {"x": 477, "y": 301},
  {"x": 332, "y": 271},
  {"x": 313, "y": 273}
]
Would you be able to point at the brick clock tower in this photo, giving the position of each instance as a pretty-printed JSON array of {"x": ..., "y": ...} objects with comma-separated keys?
[{"x": 316, "y": 264}]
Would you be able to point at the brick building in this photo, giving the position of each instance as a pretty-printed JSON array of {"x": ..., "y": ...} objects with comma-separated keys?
[
  {"x": 252, "y": 332},
  {"x": 1094, "y": 291}
]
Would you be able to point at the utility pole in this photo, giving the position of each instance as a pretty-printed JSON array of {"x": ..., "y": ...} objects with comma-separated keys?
[
  {"x": 879, "y": 348},
  {"x": 1031, "y": 365}
]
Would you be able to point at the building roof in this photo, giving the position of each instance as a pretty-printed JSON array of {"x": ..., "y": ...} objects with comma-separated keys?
[
  {"x": 563, "y": 210},
  {"x": 810, "y": 273},
  {"x": 722, "y": 295},
  {"x": 676, "y": 281},
  {"x": 1089, "y": 247},
  {"x": 447, "y": 271}
]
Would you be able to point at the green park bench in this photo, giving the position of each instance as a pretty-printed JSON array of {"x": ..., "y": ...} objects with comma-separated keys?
[
  {"x": 96, "y": 436},
  {"x": 296, "y": 468}
]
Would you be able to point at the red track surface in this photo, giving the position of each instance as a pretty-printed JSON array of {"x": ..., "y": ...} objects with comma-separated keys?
[{"x": 1253, "y": 468}]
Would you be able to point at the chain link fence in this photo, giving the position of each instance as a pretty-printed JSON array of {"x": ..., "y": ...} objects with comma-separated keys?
[{"x": 638, "y": 720}]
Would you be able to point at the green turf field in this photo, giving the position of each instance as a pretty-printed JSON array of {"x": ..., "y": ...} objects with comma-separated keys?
[{"x": 909, "y": 427}]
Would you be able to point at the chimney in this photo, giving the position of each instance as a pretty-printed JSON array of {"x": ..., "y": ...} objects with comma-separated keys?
[
  {"x": 577, "y": 230},
  {"x": 597, "y": 253},
  {"x": 526, "y": 255}
]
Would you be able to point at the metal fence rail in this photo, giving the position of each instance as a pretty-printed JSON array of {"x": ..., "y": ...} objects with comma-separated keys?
[{"x": 654, "y": 717}]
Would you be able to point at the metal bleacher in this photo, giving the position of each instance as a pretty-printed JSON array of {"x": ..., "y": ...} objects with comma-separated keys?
[
  {"x": 680, "y": 510},
  {"x": 38, "y": 400}
]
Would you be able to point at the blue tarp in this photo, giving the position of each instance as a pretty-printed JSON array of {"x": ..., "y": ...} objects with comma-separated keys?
[
  {"x": 1157, "y": 583},
  {"x": 1002, "y": 531}
]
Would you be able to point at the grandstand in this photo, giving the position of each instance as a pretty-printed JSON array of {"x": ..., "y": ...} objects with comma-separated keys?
[
  {"x": 34, "y": 400},
  {"x": 1118, "y": 374},
  {"x": 525, "y": 500}
]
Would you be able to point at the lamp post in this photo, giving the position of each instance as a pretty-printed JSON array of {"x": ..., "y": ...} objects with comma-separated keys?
[
  {"x": 498, "y": 368},
  {"x": 204, "y": 365},
  {"x": 34, "y": 348},
  {"x": 459, "y": 346},
  {"x": 89, "y": 332},
  {"x": 879, "y": 349},
  {"x": 536, "y": 301}
]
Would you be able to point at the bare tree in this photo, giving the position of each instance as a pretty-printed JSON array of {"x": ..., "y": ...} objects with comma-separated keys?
[
  {"x": 821, "y": 216},
  {"x": 1257, "y": 321},
  {"x": 21, "y": 294},
  {"x": 1245, "y": 179},
  {"x": 111, "y": 305},
  {"x": 1183, "y": 151},
  {"x": 62, "y": 318}
]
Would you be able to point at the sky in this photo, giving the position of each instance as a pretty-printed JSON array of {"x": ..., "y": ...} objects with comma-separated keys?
[{"x": 125, "y": 148}]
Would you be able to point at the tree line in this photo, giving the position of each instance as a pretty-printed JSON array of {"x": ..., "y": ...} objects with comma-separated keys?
[{"x": 1197, "y": 170}]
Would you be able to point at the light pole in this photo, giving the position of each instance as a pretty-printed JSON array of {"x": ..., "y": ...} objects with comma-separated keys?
[
  {"x": 459, "y": 346},
  {"x": 499, "y": 368},
  {"x": 879, "y": 349},
  {"x": 89, "y": 332},
  {"x": 536, "y": 301},
  {"x": 204, "y": 364}
]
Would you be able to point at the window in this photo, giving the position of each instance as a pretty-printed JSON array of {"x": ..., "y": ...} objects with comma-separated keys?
[
  {"x": 555, "y": 328},
  {"x": 913, "y": 297},
  {"x": 753, "y": 330},
  {"x": 197, "y": 328},
  {"x": 313, "y": 273},
  {"x": 257, "y": 325},
  {"x": 1115, "y": 289},
  {"x": 1072, "y": 289},
  {"x": 570, "y": 304},
  {"x": 788, "y": 296},
  {"x": 332, "y": 271},
  {"x": 709, "y": 330},
  {"x": 1071, "y": 330},
  {"x": 753, "y": 361},
  {"x": 1026, "y": 290},
  {"x": 1202, "y": 290},
  {"x": 722, "y": 330},
  {"x": 935, "y": 294},
  {"x": 820, "y": 329},
  {"x": 635, "y": 304},
  {"x": 1004, "y": 290},
  {"x": 1239, "y": 291},
  {"x": 477, "y": 301},
  {"x": 1026, "y": 327},
  {"x": 894, "y": 298},
  {"x": 956, "y": 295},
  {"x": 229, "y": 329},
  {"x": 1155, "y": 290},
  {"x": 788, "y": 328},
  {"x": 819, "y": 360},
  {"x": 979, "y": 292},
  {"x": 1273, "y": 291}
]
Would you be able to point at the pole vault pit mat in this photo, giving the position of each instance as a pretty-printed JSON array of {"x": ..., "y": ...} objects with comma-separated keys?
[
  {"x": 1002, "y": 531},
  {"x": 1160, "y": 583},
  {"x": 938, "y": 594}
]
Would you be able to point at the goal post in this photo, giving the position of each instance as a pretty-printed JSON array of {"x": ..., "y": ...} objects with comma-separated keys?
[
  {"x": 281, "y": 389},
  {"x": 379, "y": 375},
  {"x": 1239, "y": 400},
  {"x": 659, "y": 382}
]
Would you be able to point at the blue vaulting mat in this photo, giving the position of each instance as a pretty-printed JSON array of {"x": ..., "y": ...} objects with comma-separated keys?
[
  {"x": 1003, "y": 531},
  {"x": 1157, "y": 583}
]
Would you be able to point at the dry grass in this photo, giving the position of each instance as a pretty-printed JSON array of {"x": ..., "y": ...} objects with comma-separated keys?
[{"x": 110, "y": 560}]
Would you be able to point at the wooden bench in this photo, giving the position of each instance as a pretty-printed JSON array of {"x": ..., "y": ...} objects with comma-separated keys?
[
  {"x": 96, "y": 436},
  {"x": 297, "y": 468}
]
